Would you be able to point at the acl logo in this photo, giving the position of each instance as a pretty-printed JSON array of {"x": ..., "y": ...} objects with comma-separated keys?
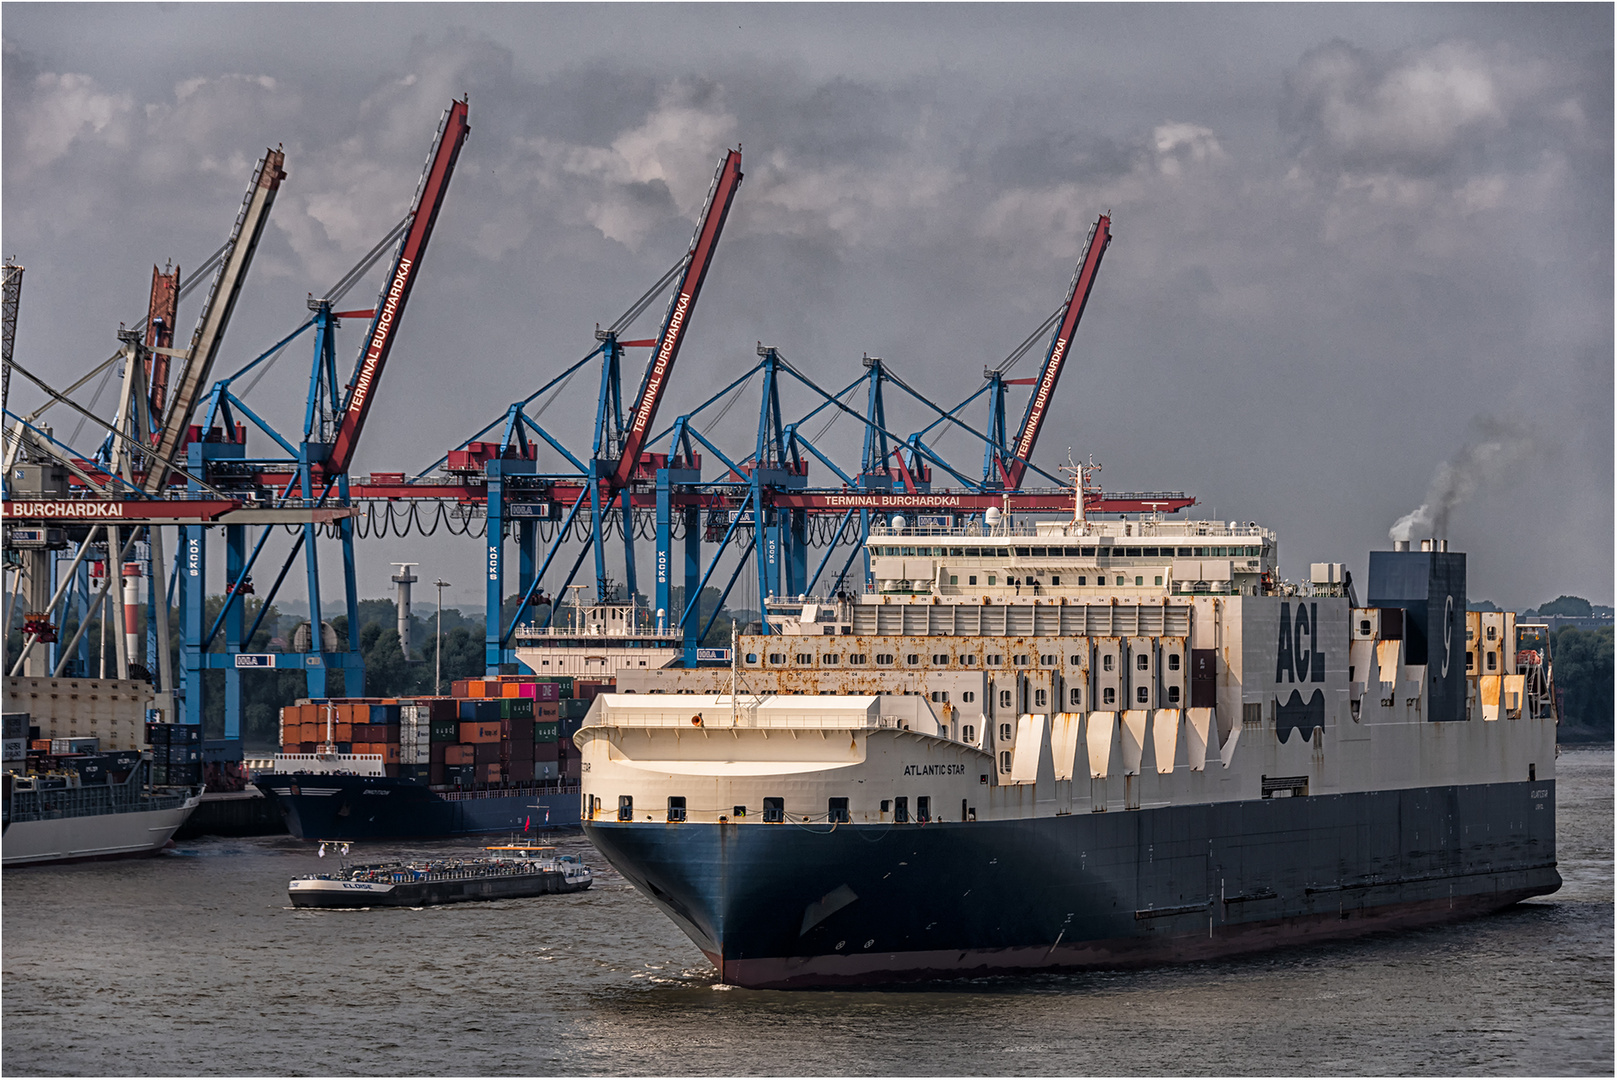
[{"x": 1298, "y": 656}]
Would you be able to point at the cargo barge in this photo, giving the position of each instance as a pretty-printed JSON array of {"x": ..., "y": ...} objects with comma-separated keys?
[
  {"x": 511, "y": 871},
  {"x": 1046, "y": 745}
]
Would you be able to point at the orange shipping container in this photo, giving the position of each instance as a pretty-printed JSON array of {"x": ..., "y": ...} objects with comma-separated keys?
[
  {"x": 493, "y": 774},
  {"x": 510, "y": 689},
  {"x": 480, "y": 731},
  {"x": 389, "y": 752},
  {"x": 456, "y": 754}
]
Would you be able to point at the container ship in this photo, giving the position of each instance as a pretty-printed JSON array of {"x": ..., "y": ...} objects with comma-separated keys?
[
  {"x": 1071, "y": 744},
  {"x": 491, "y": 757},
  {"x": 67, "y": 801}
]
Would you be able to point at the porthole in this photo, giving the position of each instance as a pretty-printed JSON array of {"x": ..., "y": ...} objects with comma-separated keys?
[
  {"x": 1108, "y": 662},
  {"x": 1005, "y": 761},
  {"x": 1004, "y": 699},
  {"x": 1173, "y": 661},
  {"x": 968, "y": 696},
  {"x": 1173, "y": 695},
  {"x": 1142, "y": 662},
  {"x": 1142, "y": 695},
  {"x": 1075, "y": 697},
  {"x": 1109, "y": 696}
]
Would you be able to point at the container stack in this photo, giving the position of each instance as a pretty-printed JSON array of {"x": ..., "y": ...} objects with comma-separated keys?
[
  {"x": 176, "y": 754},
  {"x": 487, "y": 732}
]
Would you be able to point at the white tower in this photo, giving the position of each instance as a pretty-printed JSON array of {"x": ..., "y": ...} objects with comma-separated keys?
[{"x": 404, "y": 579}]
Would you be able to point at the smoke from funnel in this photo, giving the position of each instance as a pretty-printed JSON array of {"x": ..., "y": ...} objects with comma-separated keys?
[{"x": 1503, "y": 444}]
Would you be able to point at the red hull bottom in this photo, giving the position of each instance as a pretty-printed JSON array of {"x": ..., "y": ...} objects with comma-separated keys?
[{"x": 781, "y": 973}]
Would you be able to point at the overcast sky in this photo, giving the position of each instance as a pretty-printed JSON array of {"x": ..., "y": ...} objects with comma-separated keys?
[{"x": 1362, "y": 258}]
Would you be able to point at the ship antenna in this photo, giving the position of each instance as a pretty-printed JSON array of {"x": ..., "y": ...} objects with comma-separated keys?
[{"x": 735, "y": 709}]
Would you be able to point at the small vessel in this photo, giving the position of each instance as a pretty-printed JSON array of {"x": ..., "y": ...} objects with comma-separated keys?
[
  {"x": 67, "y": 816},
  {"x": 510, "y": 871}
]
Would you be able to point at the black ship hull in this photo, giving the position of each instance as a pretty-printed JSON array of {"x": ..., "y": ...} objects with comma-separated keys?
[
  {"x": 788, "y": 905},
  {"x": 328, "y": 806}
]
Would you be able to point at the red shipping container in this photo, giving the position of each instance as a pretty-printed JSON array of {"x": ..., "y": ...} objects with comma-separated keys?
[
  {"x": 486, "y": 753},
  {"x": 457, "y": 689},
  {"x": 435, "y": 752},
  {"x": 459, "y": 754},
  {"x": 520, "y": 772},
  {"x": 480, "y": 731},
  {"x": 308, "y": 748},
  {"x": 545, "y": 751},
  {"x": 390, "y": 770},
  {"x": 521, "y": 751},
  {"x": 435, "y": 773},
  {"x": 570, "y": 769}
]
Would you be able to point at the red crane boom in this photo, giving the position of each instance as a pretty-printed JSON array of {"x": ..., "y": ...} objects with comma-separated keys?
[
  {"x": 429, "y": 198},
  {"x": 725, "y": 182},
  {"x": 1038, "y": 406}
]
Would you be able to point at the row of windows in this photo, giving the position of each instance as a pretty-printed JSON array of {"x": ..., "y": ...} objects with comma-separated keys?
[
  {"x": 1142, "y": 661},
  {"x": 1075, "y": 698},
  {"x": 1471, "y": 660},
  {"x": 775, "y": 809},
  {"x": 1055, "y": 580},
  {"x": 1069, "y": 552}
]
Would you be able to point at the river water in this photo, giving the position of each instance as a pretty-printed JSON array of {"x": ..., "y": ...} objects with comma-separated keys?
[{"x": 194, "y": 964}]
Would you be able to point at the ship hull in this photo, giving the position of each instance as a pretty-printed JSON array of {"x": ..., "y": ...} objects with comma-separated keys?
[
  {"x": 319, "y": 806},
  {"x": 802, "y": 906},
  {"x": 96, "y": 836}
]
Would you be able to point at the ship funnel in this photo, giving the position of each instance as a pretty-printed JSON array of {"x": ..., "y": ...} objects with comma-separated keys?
[
  {"x": 1426, "y": 545},
  {"x": 1400, "y": 545}
]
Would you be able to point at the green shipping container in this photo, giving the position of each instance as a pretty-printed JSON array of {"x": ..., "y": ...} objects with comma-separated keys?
[
  {"x": 566, "y": 684},
  {"x": 573, "y": 708},
  {"x": 445, "y": 731},
  {"x": 546, "y": 731},
  {"x": 516, "y": 708}
]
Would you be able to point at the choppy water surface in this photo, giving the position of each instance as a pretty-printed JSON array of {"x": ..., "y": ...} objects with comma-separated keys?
[{"x": 193, "y": 963}]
